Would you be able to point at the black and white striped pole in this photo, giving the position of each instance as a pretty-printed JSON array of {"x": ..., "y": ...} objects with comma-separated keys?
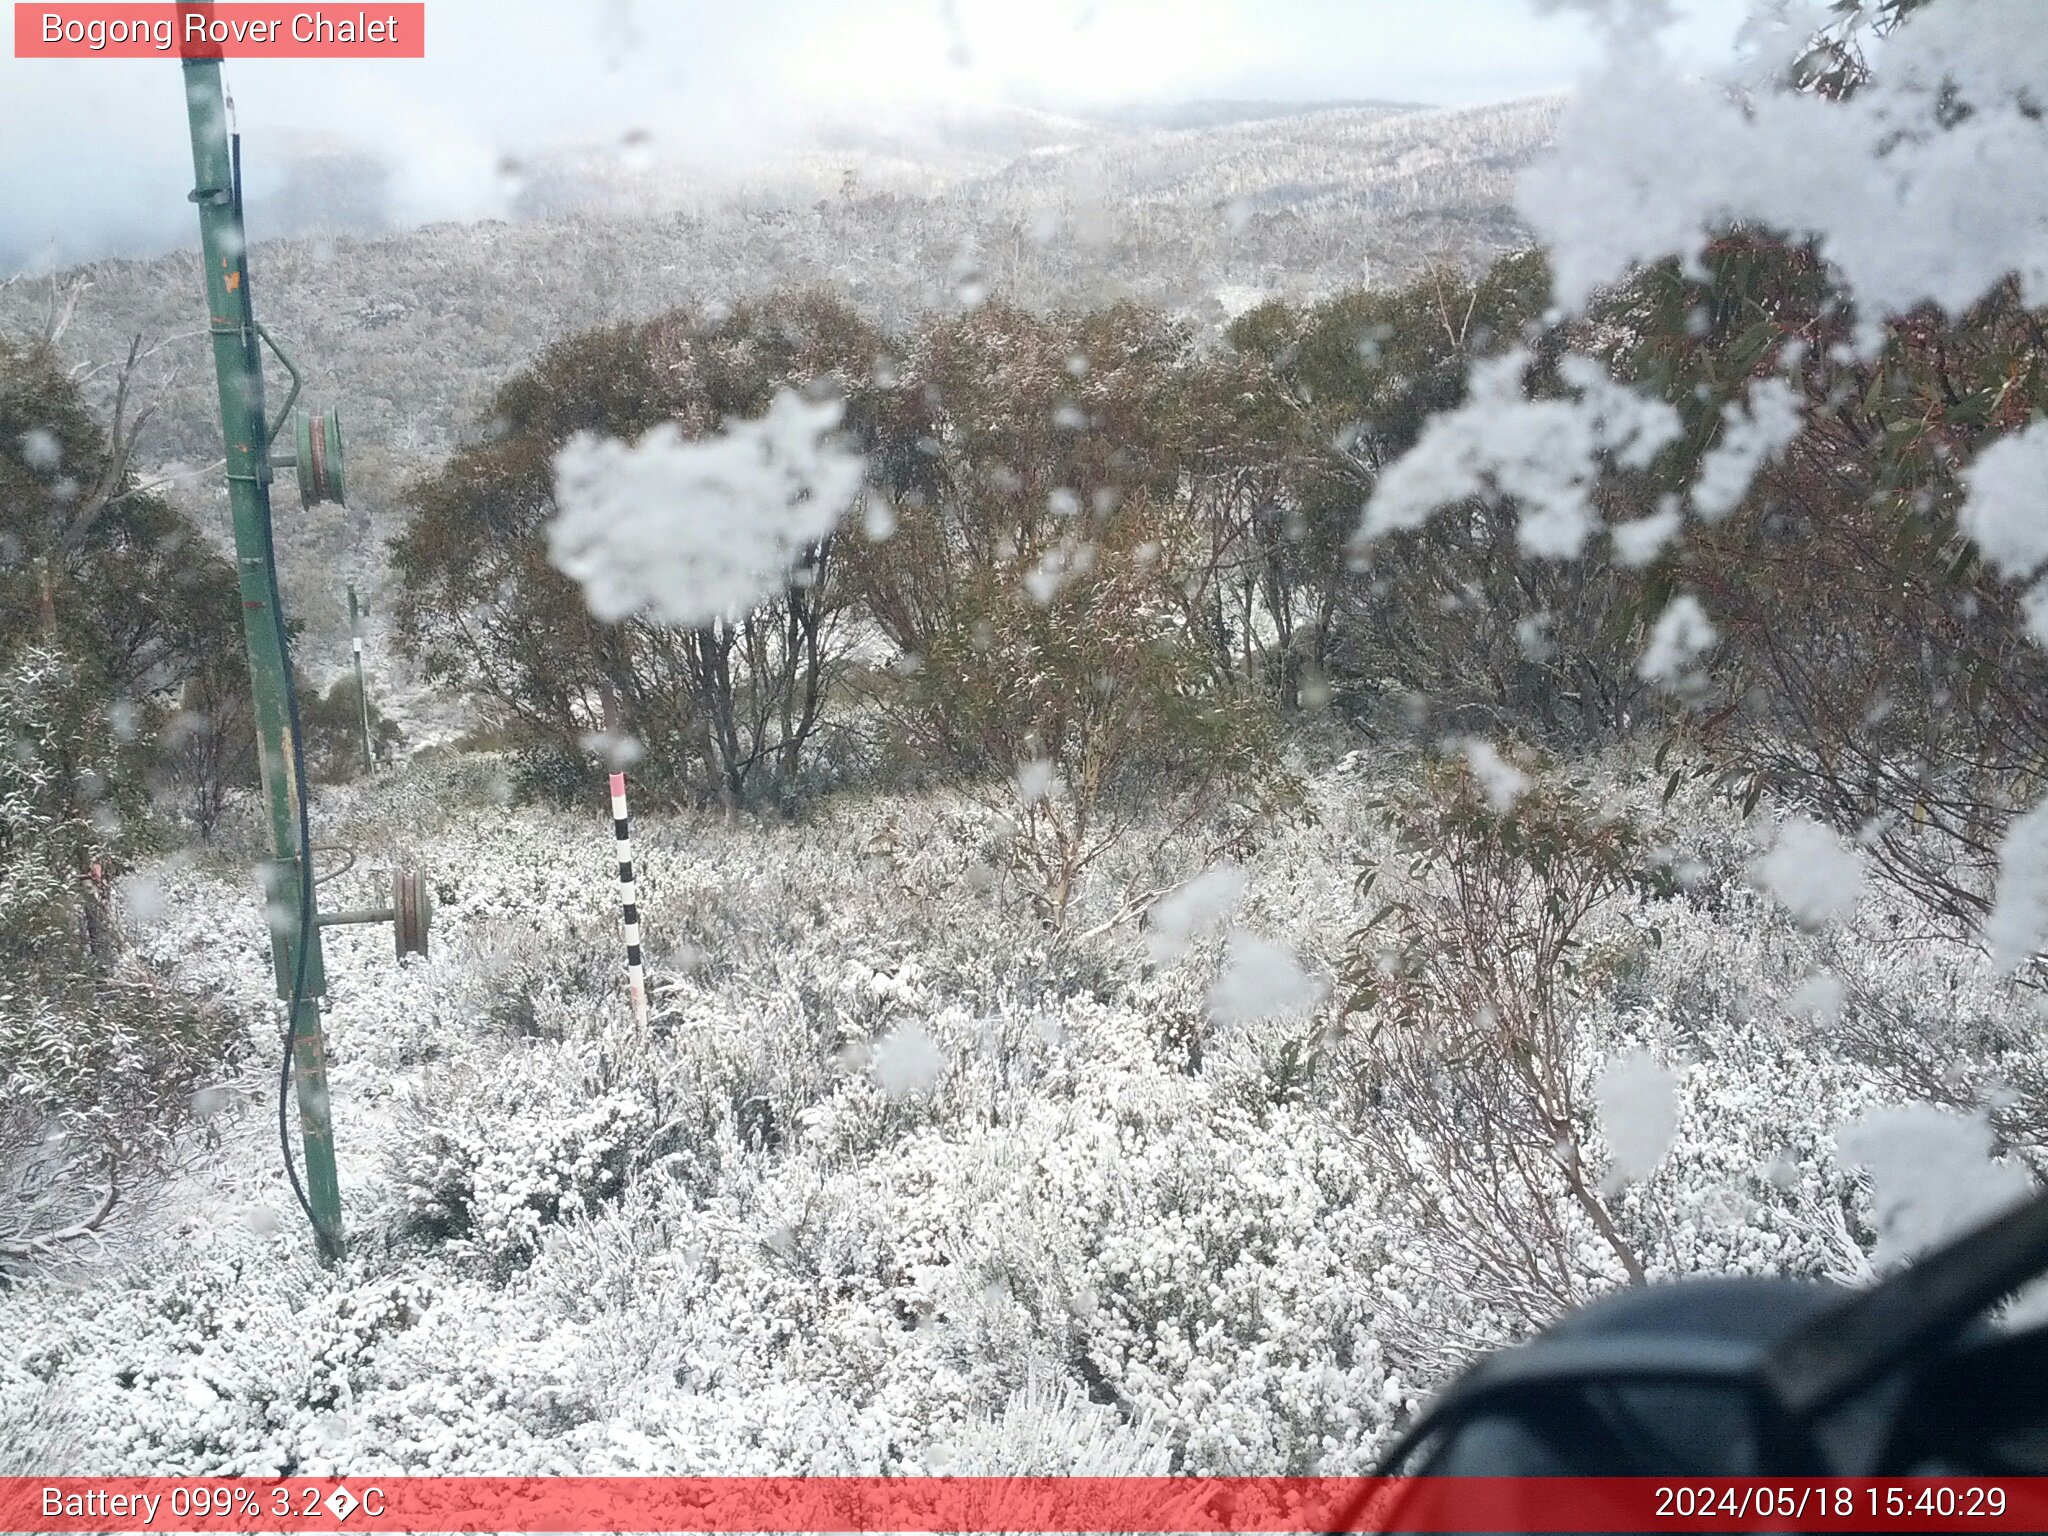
[
  {"x": 355, "y": 640},
  {"x": 636, "y": 974}
]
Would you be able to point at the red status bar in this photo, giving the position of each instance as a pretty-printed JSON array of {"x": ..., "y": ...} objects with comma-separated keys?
[{"x": 1062, "y": 1504}]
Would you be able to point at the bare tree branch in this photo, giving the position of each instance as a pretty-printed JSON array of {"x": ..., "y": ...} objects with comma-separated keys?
[
  {"x": 58, "y": 319},
  {"x": 122, "y": 434},
  {"x": 52, "y": 1243}
]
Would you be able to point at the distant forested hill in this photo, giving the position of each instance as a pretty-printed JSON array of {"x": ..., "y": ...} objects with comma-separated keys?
[{"x": 409, "y": 332}]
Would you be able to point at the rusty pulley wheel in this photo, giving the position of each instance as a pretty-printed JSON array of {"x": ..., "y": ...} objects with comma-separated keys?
[
  {"x": 317, "y": 453},
  {"x": 411, "y": 911}
]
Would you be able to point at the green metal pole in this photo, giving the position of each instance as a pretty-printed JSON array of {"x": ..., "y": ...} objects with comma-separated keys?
[
  {"x": 243, "y": 430},
  {"x": 355, "y": 638}
]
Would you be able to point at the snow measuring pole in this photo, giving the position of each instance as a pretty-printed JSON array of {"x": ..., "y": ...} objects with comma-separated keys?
[
  {"x": 246, "y": 437},
  {"x": 355, "y": 642}
]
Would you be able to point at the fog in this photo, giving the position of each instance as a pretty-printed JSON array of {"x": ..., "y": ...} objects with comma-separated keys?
[{"x": 93, "y": 160}]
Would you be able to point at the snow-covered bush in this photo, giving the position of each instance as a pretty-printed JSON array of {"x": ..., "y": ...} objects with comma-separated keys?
[
  {"x": 57, "y": 840},
  {"x": 890, "y": 1170},
  {"x": 94, "y": 1090},
  {"x": 501, "y": 1156},
  {"x": 1469, "y": 984},
  {"x": 100, "y": 1055}
]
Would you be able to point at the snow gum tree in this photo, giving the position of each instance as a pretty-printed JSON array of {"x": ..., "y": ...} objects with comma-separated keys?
[
  {"x": 1338, "y": 391},
  {"x": 1040, "y": 582},
  {"x": 1877, "y": 666},
  {"x": 725, "y": 710},
  {"x": 113, "y": 612},
  {"x": 101, "y": 568}
]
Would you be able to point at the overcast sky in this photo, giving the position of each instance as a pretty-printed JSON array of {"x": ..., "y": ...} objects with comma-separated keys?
[{"x": 93, "y": 158}]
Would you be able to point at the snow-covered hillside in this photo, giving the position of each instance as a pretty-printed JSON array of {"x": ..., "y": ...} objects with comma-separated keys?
[{"x": 409, "y": 332}]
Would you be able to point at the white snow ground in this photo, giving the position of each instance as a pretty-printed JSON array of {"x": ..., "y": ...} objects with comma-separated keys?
[{"x": 745, "y": 1243}]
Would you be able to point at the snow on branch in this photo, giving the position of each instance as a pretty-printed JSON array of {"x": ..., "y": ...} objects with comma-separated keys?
[
  {"x": 694, "y": 532},
  {"x": 1928, "y": 185},
  {"x": 1753, "y": 431},
  {"x": 1546, "y": 455}
]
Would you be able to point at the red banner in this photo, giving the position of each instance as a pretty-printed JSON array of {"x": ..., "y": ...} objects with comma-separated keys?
[
  {"x": 234, "y": 30},
  {"x": 1061, "y": 1504}
]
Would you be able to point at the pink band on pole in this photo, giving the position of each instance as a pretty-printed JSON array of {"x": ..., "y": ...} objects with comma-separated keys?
[{"x": 618, "y": 784}]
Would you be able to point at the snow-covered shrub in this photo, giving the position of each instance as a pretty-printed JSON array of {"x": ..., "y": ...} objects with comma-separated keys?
[
  {"x": 1468, "y": 986},
  {"x": 100, "y": 1055},
  {"x": 491, "y": 1159},
  {"x": 332, "y": 726},
  {"x": 1047, "y": 1430},
  {"x": 58, "y": 819},
  {"x": 94, "y": 1089},
  {"x": 550, "y": 773},
  {"x": 45, "y": 1435},
  {"x": 759, "y": 1238}
]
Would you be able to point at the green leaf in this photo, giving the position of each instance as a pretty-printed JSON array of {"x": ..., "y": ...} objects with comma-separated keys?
[{"x": 1754, "y": 794}]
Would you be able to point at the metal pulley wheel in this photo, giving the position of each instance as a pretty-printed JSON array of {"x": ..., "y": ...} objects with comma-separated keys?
[
  {"x": 316, "y": 443},
  {"x": 412, "y": 909}
]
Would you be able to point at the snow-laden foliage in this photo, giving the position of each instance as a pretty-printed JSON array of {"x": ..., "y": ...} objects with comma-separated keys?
[
  {"x": 894, "y": 1182},
  {"x": 696, "y": 532},
  {"x": 2005, "y": 514},
  {"x": 1812, "y": 872},
  {"x": 1638, "y": 1102},
  {"x": 1928, "y": 184},
  {"x": 100, "y": 1059},
  {"x": 491, "y": 1194},
  {"x": 1545, "y": 455}
]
